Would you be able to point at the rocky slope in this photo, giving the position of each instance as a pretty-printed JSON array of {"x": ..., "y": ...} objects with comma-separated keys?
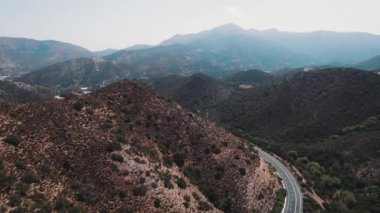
[{"x": 125, "y": 148}]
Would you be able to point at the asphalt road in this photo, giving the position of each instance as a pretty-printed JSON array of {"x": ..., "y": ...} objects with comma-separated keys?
[{"x": 293, "y": 202}]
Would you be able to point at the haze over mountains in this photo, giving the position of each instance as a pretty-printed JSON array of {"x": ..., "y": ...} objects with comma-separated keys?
[{"x": 216, "y": 52}]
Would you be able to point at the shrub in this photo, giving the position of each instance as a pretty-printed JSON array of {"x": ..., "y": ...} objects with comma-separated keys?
[
  {"x": 154, "y": 185},
  {"x": 125, "y": 173},
  {"x": 122, "y": 194},
  {"x": 140, "y": 191},
  {"x": 187, "y": 198},
  {"x": 13, "y": 140},
  {"x": 22, "y": 188},
  {"x": 78, "y": 105},
  {"x": 31, "y": 178},
  {"x": 113, "y": 147},
  {"x": 242, "y": 171},
  {"x": 114, "y": 168},
  {"x": 86, "y": 194},
  {"x": 157, "y": 202},
  {"x": 165, "y": 177},
  {"x": 167, "y": 161},
  {"x": 61, "y": 203},
  {"x": 181, "y": 183},
  {"x": 196, "y": 196},
  {"x": 211, "y": 193},
  {"x": 204, "y": 206},
  {"x": 218, "y": 176},
  {"x": 207, "y": 151},
  {"x": 117, "y": 157},
  {"x": 124, "y": 209},
  {"x": 6, "y": 181},
  {"x": 193, "y": 174},
  {"x": 186, "y": 205},
  {"x": 14, "y": 200},
  {"x": 216, "y": 150},
  {"x": 20, "y": 164},
  {"x": 179, "y": 159}
]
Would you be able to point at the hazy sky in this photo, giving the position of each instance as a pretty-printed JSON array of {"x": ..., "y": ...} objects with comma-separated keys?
[{"x": 100, "y": 24}]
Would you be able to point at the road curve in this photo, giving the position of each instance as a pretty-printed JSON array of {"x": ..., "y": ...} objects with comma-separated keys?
[{"x": 293, "y": 201}]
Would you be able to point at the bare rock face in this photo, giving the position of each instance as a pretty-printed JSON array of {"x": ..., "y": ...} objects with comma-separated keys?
[{"x": 126, "y": 149}]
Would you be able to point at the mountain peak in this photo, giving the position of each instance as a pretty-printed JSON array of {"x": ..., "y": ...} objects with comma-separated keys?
[{"x": 230, "y": 27}]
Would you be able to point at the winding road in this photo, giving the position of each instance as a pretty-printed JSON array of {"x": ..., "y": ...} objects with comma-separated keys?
[{"x": 293, "y": 200}]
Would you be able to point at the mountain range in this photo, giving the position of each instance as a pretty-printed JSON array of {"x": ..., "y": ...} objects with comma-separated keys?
[{"x": 217, "y": 52}]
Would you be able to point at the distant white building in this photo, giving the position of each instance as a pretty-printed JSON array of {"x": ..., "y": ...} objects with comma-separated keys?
[
  {"x": 57, "y": 97},
  {"x": 245, "y": 86},
  {"x": 307, "y": 69}
]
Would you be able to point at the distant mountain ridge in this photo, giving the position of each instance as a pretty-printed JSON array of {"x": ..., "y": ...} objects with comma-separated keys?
[
  {"x": 21, "y": 55},
  {"x": 228, "y": 48},
  {"x": 73, "y": 74},
  {"x": 370, "y": 64}
]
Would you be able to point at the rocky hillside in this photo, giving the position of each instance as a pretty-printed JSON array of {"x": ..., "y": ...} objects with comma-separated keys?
[
  {"x": 82, "y": 72},
  {"x": 21, "y": 92},
  {"x": 21, "y": 55},
  {"x": 125, "y": 148}
]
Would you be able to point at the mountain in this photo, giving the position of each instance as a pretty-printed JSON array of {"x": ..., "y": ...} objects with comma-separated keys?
[
  {"x": 370, "y": 64},
  {"x": 21, "y": 55},
  {"x": 138, "y": 47},
  {"x": 21, "y": 92},
  {"x": 326, "y": 122},
  {"x": 105, "y": 52},
  {"x": 326, "y": 47},
  {"x": 250, "y": 77},
  {"x": 198, "y": 92},
  {"x": 227, "y": 30},
  {"x": 216, "y": 53},
  {"x": 296, "y": 109},
  {"x": 225, "y": 49},
  {"x": 76, "y": 73},
  {"x": 123, "y": 148}
]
